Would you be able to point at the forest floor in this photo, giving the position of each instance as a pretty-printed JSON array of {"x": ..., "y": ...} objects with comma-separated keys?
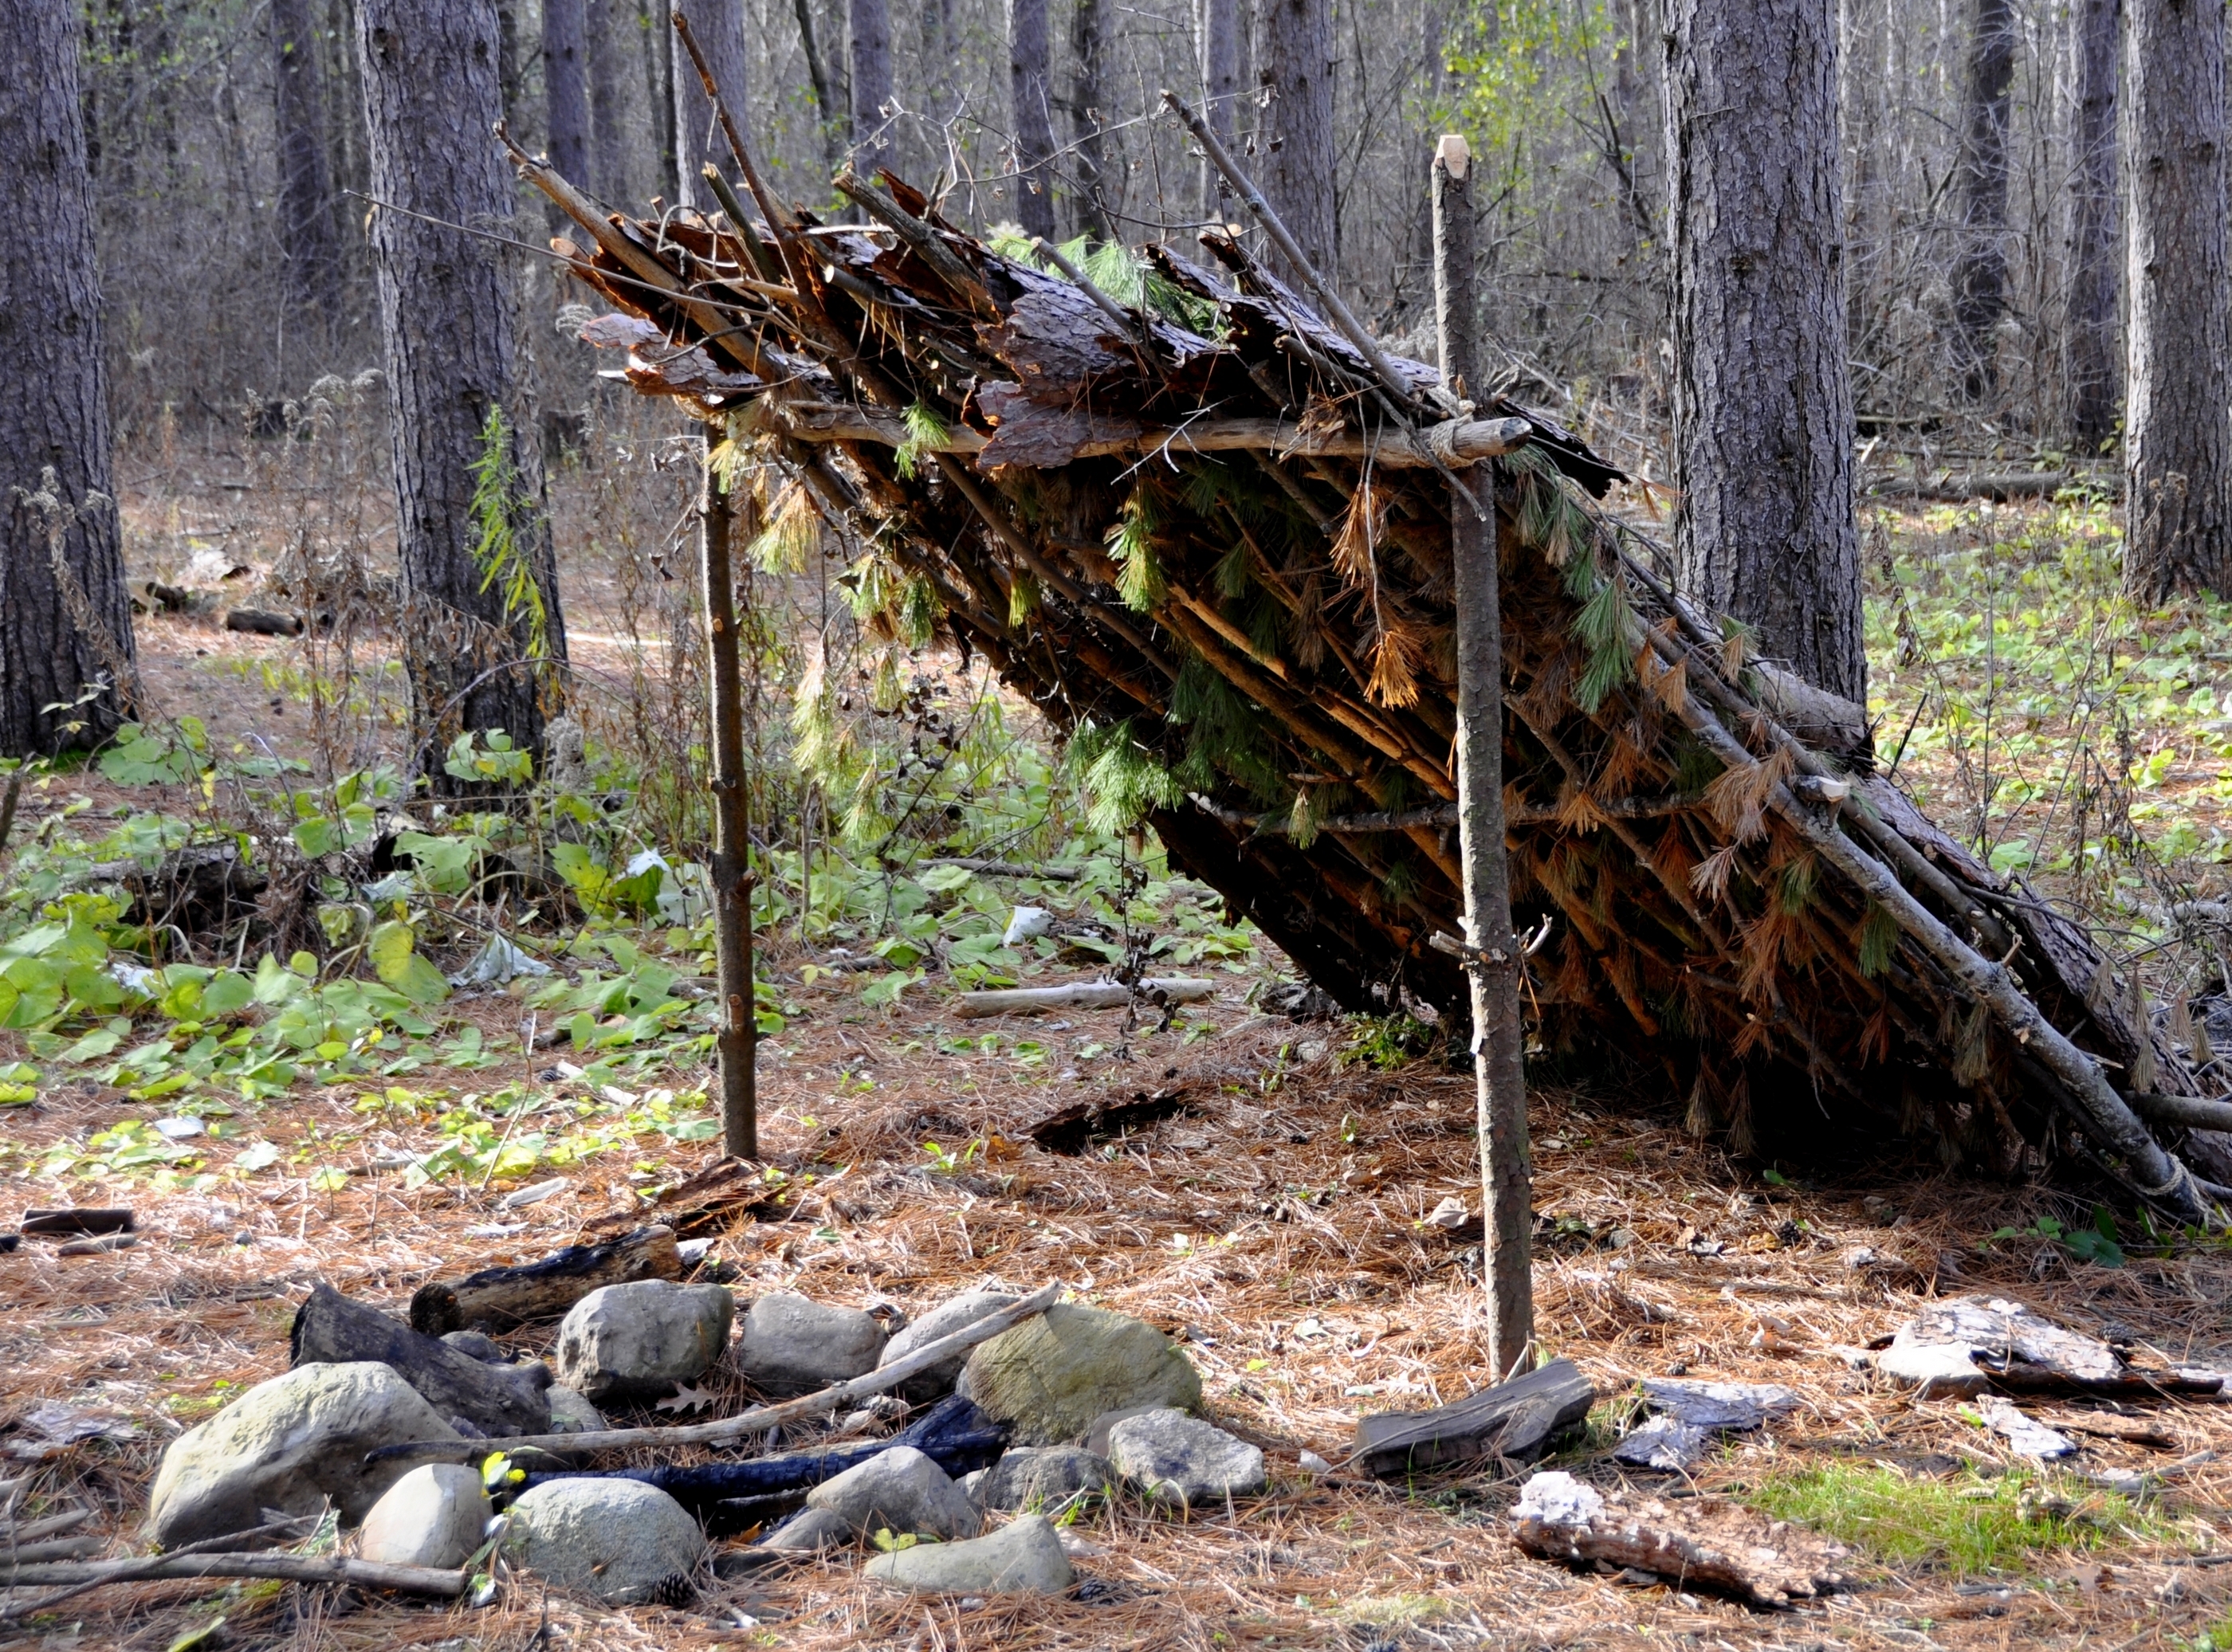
[{"x": 1274, "y": 1223}]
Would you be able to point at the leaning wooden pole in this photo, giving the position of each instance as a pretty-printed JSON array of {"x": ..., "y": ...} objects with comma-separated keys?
[
  {"x": 737, "y": 1041},
  {"x": 1491, "y": 956}
]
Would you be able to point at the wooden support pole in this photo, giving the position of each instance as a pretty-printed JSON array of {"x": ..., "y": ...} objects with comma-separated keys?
[
  {"x": 1492, "y": 955},
  {"x": 737, "y": 1040}
]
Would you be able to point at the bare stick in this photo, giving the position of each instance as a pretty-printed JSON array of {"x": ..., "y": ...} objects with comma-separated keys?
[
  {"x": 291, "y": 1568},
  {"x": 760, "y": 1418},
  {"x": 1492, "y": 956},
  {"x": 737, "y": 1039}
]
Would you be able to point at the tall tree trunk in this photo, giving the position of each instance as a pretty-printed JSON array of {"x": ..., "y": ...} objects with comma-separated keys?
[
  {"x": 1762, "y": 391},
  {"x": 871, "y": 24},
  {"x": 1297, "y": 175},
  {"x": 448, "y": 315},
  {"x": 511, "y": 67},
  {"x": 607, "y": 113},
  {"x": 1218, "y": 34},
  {"x": 65, "y": 620},
  {"x": 308, "y": 230},
  {"x": 656, "y": 17},
  {"x": 1087, "y": 30},
  {"x": 835, "y": 113},
  {"x": 2091, "y": 369},
  {"x": 2178, "y": 534},
  {"x": 718, "y": 26},
  {"x": 1980, "y": 274},
  {"x": 566, "y": 90},
  {"x": 1030, "y": 87}
]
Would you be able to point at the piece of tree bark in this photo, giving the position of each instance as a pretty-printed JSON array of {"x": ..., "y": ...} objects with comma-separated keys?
[
  {"x": 330, "y": 1329},
  {"x": 1763, "y": 393},
  {"x": 608, "y": 112},
  {"x": 1218, "y": 36},
  {"x": 309, "y": 231},
  {"x": 1087, "y": 30},
  {"x": 78, "y": 1219},
  {"x": 263, "y": 622},
  {"x": 2092, "y": 368},
  {"x": 1081, "y": 994},
  {"x": 1704, "y": 1541},
  {"x": 1297, "y": 164},
  {"x": 719, "y": 27},
  {"x": 500, "y": 1298},
  {"x": 1980, "y": 274},
  {"x": 448, "y": 318},
  {"x": 870, "y": 85},
  {"x": 1514, "y": 1420},
  {"x": 2177, "y": 450},
  {"x": 1030, "y": 92},
  {"x": 736, "y": 1039},
  {"x": 1492, "y": 957},
  {"x": 65, "y": 614},
  {"x": 566, "y": 91}
]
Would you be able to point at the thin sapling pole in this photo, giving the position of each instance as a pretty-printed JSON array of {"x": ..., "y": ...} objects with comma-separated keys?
[
  {"x": 737, "y": 1041},
  {"x": 1492, "y": 955}
]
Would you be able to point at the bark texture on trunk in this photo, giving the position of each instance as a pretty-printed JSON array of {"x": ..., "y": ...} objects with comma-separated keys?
[
  {"x": 65, "y": 620},
  {"x": 309, "y": 233},
  {"x": 870, "y": 22},
  {"x": 2091, "y": 366},
  {"x": 737, "y": 1043},
  {"x": 656, "y": 18},
  {"x": 1087, "y": 30},
  {"x": 608, "y": 110},
  {"x": 718, "y": 26},
  {"x": 1297, "y": 173},
  {"x": 1980, "y": 276},
  {"x": 2178, "y": 448},
  {"x": 1763, "y": 390},
  {"x": 1030, "y": 81},
  {"x": 448, "y": 315},
  {"x": 566, "y": 87},
  {"x": 1217, "y": 25}
]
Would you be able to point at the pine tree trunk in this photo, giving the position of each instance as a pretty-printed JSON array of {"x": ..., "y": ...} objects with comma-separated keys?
[
  {"x": 656, "y": 18},
  {"x": 61, "y": 632},
  {"x": 1297, "y": 173},
  {"x": 1762, "y": 391},
  {"x": 718, "y": 26},
  {"x": 835, "y": 117},
  {"x": 566, "y": 90},
  {"x": 2178, "y": 534},
  {"x": 1218, "y": 35},
  {"x": 1030, "y": 87},
  {"x": 870, "y": 22},
  {"x": 308, "y": 231},
  {"x": 607, "y": 113},
  {"x": 2091, "y": 369},
  {"x": 447, "y": 309},
  {"x": 1980, "y": 274},
  {"x": 1086, "y": 31}
]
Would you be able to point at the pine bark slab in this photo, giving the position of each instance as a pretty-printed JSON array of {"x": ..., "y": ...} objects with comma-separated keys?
[
  {"x": 1514, "y": 1420},
  {"x": 500, "y": 1298}
]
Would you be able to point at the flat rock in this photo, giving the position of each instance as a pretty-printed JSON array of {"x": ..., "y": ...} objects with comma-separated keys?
[
  {"x": 639, "y": 1340},
  {"x": 941, "y": 1321},
  {"x": 433, "y": 1516},
  {"x": 289, "y": 1444},
  {"x": 1042, "y": 1479},
  {"x": 1050, "y": 1376},
  {"x": 1022, "y": 1557},
  {"x": 809, "y": 1531},
  {"x": 1734, "y": 1407},
  {"x": 1096, "y": 1437},
  {"x": 1662, "y": 1442},
  {"x": 899, "y": 1491},
  {"x": 792, "y": 1344},
  {"x": 1174, "y": 1458},
  {"x": 2025, "y": 1438},
  {"x": 623, "y": 1541}
]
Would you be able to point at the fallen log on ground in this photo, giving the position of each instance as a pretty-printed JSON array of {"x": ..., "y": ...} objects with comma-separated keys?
[
  {"x": 760, "y": 1418},
  {"x": 502, "y": 1298},
  {"x": 288, "y": 1568},
  {"x": 1156, "y": 992},
  {"x": 263, "y": 622},
  {"x": 330, "y": 1329}
]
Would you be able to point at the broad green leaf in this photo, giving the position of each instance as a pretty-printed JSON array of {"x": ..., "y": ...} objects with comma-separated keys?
[{"x": 391, "y": 949}]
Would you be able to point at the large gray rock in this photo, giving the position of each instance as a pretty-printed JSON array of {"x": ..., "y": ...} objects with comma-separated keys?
[
  {"x": 899, "y": 1491},
  {"x": 433, "y": 1516},
  {"x": 940, "y": 1322},
  {"x": 638, "y": 1340},
  {"x": 1042, "y": 1479},
  {"x": 1051, "y": 1375},
  {"x": 1023, "y": 1556},
  {"x": 623, "y": 1541},
  {"x": 289, "y": 1444},
  {"x": 1174, "y": 1458},
  {"x": 792, "y": 1344}
]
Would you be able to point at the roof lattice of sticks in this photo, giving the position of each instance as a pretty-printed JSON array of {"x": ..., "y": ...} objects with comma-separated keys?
[{"x": 1208, "y": 536}]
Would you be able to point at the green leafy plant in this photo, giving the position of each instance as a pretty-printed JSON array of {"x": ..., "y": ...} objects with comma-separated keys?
[{"x": 2099, "y": 1243}]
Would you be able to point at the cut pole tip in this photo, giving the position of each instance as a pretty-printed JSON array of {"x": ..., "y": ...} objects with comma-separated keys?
[{"x": 1454, "y": 154}]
